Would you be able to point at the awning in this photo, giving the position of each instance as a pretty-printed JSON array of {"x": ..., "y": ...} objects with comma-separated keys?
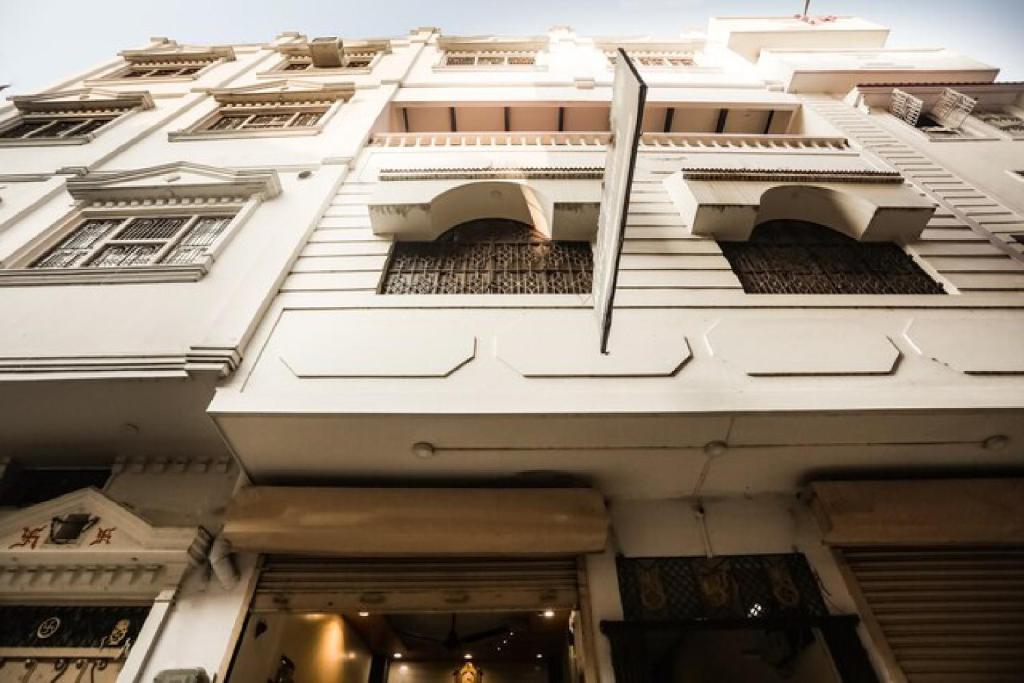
[{"x": 368, "y": 522}]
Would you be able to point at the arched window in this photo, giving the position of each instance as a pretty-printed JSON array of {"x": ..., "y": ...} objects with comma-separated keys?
[
  {"x": 796, "y": 257},
  {"x": 489, "y": 256}
]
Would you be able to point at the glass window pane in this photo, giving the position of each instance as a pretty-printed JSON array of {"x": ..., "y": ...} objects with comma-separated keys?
[
  {"x": 23, "y": 129},
  {"x": 228, "y": 122},
  {"x": 156, "y": 228},
  {"x": 76, "y": 246},
  {"x": 196, "y": 244}
]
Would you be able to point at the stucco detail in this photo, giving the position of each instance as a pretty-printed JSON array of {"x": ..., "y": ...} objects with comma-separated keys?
[
  {"x": 985, "y": 346},
  {"x": 793, "y": 346},
  {"x": 363, "y": 344},
  {"x": 648, "y": 349}
]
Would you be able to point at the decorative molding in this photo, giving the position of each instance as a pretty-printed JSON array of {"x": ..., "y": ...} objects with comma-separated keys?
[
  {"x": 792, "y": 175},
  {"x": 172, "y": 50},
  {"x": 180, "y": 180},
  {"x": 524, "y": 173},
  {"x": 122, "y": 557},
  {"x": 123, "y": 465},
  {"x": 492, "y": 43},
  {"x": 283, "y": 92},
  {"x": 85, "y": 100}
]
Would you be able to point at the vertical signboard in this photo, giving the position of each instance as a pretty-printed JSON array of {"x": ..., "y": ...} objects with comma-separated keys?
[{"x": 628, "y": 96}]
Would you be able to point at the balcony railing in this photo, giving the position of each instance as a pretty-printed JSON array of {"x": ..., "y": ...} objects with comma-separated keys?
[
  {"x": 599, "y": 139},
  {"x": 487, "y": 139},
  {"x": 752, "y": 142}
]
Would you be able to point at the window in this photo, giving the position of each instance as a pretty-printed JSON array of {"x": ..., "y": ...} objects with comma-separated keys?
[
  {"x": 350, "y": 60},
  {"x": 490, "y": 59},
  {"x": 137, "y": 241},
  {"x": 264, "y": 119},
  {"x": 53, "y": 126},
  {"x": 489, "y": 256},
  {"x": 23, "y": 487},
  {"x": 795, "y": 257},
  {"x": 1003, "y": 121},
  {"x": 161, "y": 69},
  {"x": 660, "y": 60},
  {"x": 943, "y": 121}
]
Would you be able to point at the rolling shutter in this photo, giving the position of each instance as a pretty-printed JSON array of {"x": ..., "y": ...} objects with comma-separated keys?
[
  {"x": 395, "y": 585},
  {"x": 947, "y": 614}
]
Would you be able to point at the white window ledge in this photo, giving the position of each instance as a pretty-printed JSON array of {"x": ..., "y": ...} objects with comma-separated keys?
[
  {"x": 28, "y": 277},
  {"x": 185, "y": 135},
  {"x": 48, "y": 142}
]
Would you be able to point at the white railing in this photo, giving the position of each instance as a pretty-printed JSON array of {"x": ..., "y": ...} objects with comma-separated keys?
[
  {"x": 484, "y": 139},
  {"x": 750, "y": 142}
]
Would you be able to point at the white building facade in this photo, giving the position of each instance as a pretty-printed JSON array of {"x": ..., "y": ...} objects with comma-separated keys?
[{"x": 301, "y": 377}]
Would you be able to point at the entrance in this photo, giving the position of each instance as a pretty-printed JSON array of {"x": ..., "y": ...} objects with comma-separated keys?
[{"x": 413, "y": 621}]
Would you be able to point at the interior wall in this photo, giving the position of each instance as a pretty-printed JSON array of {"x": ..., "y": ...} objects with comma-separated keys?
[{"x": 323, "y": 647}]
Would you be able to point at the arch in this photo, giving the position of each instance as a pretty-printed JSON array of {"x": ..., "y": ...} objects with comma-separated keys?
[
  {"x": 847, "y": 213},
  {"x": 509, "y": 200}
]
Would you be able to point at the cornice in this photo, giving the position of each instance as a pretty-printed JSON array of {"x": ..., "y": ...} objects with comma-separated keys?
[
  {"x": 198, "y": 360},
  {"x": 524, "y": 173}
]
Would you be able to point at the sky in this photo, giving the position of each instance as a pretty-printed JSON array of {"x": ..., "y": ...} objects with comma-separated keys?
[{"x": 42, "y": 42}]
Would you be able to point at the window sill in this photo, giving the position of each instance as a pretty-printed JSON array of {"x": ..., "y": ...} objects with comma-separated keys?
[
  {"x": 185, "y": 136},
  {"x": 47, "y": 142},
  {"x": 29, "y": 277}
]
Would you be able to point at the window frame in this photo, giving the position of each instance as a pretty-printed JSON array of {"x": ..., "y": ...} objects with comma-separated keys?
[
  {"x": 282, "y": 66},
  {"x": 666, "y": 55},
  {"x": 477, "y": 54},
  {"x": 112, "y": 117},
  {"x": 24, "y": 270},
  {"x": 202, "y": 128},
  {"x": 121, "y": 73}
]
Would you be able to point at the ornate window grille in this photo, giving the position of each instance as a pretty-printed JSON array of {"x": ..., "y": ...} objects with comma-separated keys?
[
  {"x": 52, "y": 126},
  {"x": 136, "y": 241},
  {"x": 351, "y": 60},
  {"x": 259, "y": 118},
  {"x": 795, "y": 257},
  {"x": 489, "y": 256},
  {"x": 664, "y": 60},
  {"x": 490, "y": 59},
  {"x": 163, "y": 69}
]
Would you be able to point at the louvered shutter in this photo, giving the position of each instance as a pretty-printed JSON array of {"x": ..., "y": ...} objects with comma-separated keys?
[
  {"x": 395, "y": 585},
  {"x": 947, "y": 614}
]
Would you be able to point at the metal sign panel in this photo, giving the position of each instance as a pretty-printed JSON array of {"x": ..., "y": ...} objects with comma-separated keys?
[{"x": 629, "y": 93}]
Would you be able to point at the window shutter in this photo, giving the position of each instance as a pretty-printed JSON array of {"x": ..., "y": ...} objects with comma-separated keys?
[
  {"x": 905, "y": 106},
  {"x": 947, "y": 614},
  {"x": 397, "y": 585}
]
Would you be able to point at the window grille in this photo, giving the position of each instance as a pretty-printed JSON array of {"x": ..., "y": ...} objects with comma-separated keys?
[
  {"x": 661, "y": 60},
  {"x": 350, "y": 60},
  {"x": 794, "y": 257},
  {"x": 490, "y": 59},
  {"x": 265, "y": 120},
  {"x": 43, "y": 127},
  {"x": 489, "y": 256},
  {"x": 138, "y": 241},
  {"x": 141, "y": 71}
]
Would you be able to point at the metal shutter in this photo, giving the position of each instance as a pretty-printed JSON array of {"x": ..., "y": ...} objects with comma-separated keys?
[
  {"x": 950, "y": 614},
  {"x": 394, "y": 585}
]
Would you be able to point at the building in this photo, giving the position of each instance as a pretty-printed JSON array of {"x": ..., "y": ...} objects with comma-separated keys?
[{"x": 301, "y": 378}]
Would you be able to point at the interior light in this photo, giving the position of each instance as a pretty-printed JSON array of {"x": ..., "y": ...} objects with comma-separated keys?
[
  {"x": 540, "y": 656},
  {"x": 403, "y": 668},
  {"x": 364, "y": 614},
  {"x": 467, "y": 656},
  {"x": 398, "y": 655},
  {"x": 548, "y": 613}
]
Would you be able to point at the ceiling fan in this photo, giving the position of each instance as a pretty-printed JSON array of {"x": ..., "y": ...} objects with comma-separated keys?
[{"x": 452, "y": 641}]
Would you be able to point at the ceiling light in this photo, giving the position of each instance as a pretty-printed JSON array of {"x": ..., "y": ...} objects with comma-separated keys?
[
  {"x": 467, "y": 656},
  {"x": 397, "y": 655},
  {"x": 540, "y": 656},
  {"x": 548, "y": 613},
  {"x": 364, "y": 614}
]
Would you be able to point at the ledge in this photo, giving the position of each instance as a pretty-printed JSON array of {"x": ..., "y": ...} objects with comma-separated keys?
[
  {"x": 31, "y": 277},
  {"x": 47, "y": 142},
  {"x": 185, "y": 136}
]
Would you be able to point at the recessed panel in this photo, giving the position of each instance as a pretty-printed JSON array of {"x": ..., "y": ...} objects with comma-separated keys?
[{"x": 974, "y": 345}]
